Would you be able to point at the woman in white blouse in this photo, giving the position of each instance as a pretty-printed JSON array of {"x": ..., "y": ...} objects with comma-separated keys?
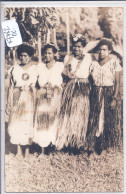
[
  {"x": 75, "y": 101},
  {"x": 102, "y": 132},
  {"x": 48, "y": 97},
  {"x": 20, "y": 104}
]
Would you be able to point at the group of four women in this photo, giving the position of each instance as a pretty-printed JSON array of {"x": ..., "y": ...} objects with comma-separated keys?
[{"x": 66, "y": 105}]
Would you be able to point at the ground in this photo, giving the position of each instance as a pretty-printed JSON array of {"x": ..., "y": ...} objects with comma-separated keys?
[{"x": 61, "y": 172}]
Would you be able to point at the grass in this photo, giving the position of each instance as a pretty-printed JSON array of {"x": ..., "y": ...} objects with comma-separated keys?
[{"x": 61, "y": 172}]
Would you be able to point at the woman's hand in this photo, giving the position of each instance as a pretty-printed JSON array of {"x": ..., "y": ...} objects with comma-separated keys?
[
  {"x": 22, "y": 88},
  {"x": 113, "y": 103},
  {"x": 63, "y": 84},
  {"x": 8, "y": 109},
  {"x": 57, "y": 89},
  {"x": 72, "y": 75}
]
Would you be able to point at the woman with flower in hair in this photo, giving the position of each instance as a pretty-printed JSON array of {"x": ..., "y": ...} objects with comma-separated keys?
[
  {"x": 48, "y": 97},
  {"x": 20, "y": 105},
  {"x": 102, "y": 132},
  {"x": 75, "y": 101}
]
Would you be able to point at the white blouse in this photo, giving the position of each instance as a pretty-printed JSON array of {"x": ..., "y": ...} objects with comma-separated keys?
[
  {"x": 104, "y": 75},
  {"x": 52, "y": 75},
  {"x": 23, "y": 77},
  {"x": 78, "y": 68}
]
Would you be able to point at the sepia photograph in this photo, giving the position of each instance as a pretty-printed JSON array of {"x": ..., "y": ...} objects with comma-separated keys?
[{"x": 63, "y": 75}]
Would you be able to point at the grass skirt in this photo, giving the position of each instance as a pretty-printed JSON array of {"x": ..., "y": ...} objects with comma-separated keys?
[
  {"x": 46, "y": 119},
  {"x": 74, "y": 114},
  {"x": 20, "y": 126},
  {"x": 110, "y": 134}
]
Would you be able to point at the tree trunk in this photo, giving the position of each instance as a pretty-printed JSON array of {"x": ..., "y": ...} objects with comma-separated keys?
[
  {"x": 39, "y": 46},
  {"x": 68, "y": 31}
]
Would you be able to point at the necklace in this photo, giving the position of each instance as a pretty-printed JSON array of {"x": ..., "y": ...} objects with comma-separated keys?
[
  {"x": 78, "y": 63},
  {"x": 25, "y": 76}
]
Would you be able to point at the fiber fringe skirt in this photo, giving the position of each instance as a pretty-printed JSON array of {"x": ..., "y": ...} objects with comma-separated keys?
[
  {"x": 74, "y": 114},
  {"x": 104, "y": 121},
  {"x": 46, "y": 117},
  {"x": 20, "y": 126}
]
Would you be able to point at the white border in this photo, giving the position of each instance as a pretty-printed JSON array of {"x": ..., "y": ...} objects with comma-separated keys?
[
  {"x": 65, "y": 4},
  {"x": 58, "y": 4}
]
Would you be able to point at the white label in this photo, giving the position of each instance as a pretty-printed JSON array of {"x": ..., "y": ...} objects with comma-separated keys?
[{"x": 11, "y": 33}]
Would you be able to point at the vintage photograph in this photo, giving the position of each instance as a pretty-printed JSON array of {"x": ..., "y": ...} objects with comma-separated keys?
[{"x": 64, "y": 100}]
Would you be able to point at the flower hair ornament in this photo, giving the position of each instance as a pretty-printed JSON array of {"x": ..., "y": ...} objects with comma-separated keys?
[
  {"x": 79, "y": 38},
  {"x": 76, "y": 37}
]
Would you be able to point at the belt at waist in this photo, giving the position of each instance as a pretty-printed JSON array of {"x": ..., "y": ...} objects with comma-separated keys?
[
  {"x": 103, "y": 86},
  {"x": 66, "y": 79}
]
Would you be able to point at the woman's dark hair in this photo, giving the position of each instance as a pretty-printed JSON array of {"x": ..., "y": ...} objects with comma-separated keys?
[
  {"x": 24, "y": 48},
  {"x": 105, "y": 42},
  {"x": 82, "y": 40},
  {"x": 53, "y": 47}
]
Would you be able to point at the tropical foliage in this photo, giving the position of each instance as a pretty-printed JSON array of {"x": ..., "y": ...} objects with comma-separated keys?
[{"x": 50, "y": 24}]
